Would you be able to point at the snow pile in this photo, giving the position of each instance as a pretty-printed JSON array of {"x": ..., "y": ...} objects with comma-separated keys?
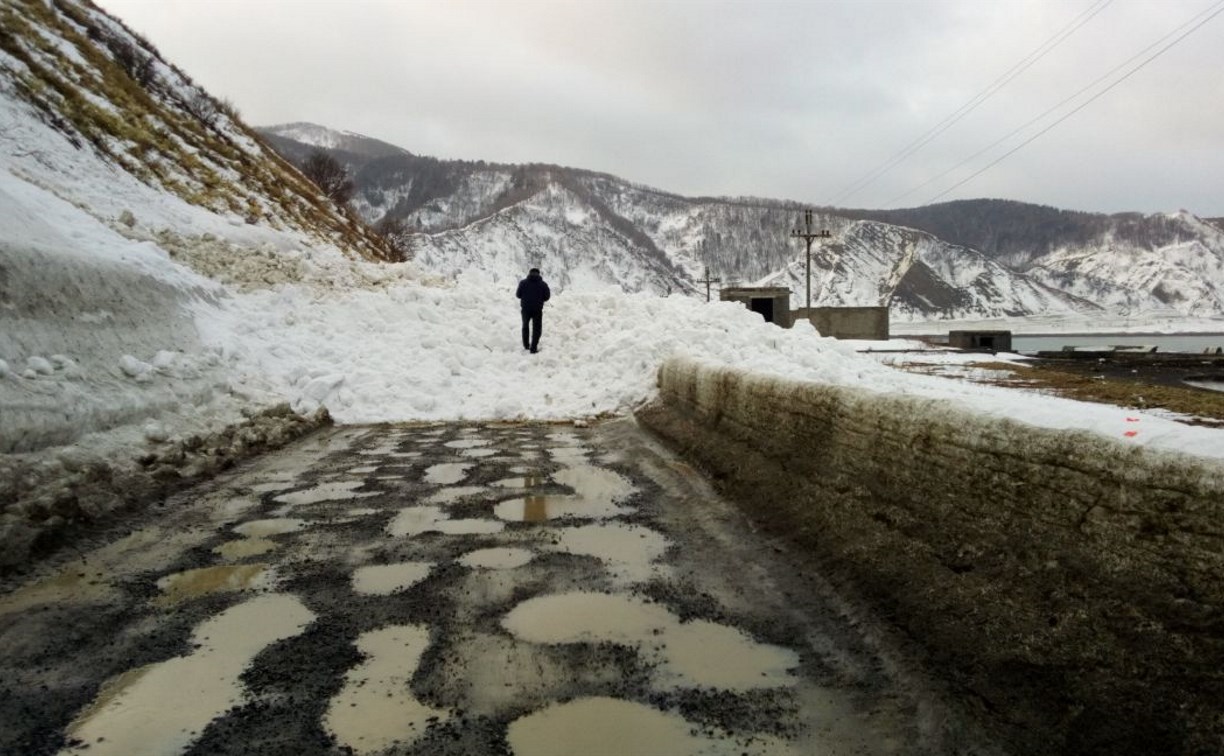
[{"x": 403, "y": 351}]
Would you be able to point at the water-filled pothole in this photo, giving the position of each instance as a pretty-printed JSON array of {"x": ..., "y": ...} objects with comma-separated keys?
[
  {"x": 375, "y": 709},
  {"x": 385, "y": 579},
  {"x": 417, "y": 520},
  {"x": 687, "y": 654},
  {"x": 334, "y": 491},
  {"x": 183, "y": 586},
  {"x": 615, "y": 727},
  {"x": 240, "y": 548},
  {"x": 629, "y": 551},
  {"x": 447, "y": 473},
  {"x": 274, "y": 526},
  {"x": 163, "y": 707},
  {"x": 497, "y": 559}
]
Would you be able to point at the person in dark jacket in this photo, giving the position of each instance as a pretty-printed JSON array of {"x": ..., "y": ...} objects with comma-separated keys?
[{"x": 532, "y": 293}]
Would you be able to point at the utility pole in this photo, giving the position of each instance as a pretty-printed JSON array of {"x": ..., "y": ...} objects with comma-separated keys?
[
  {"x": 808, "y": 235},
  {"x": 707, "y": 281}
]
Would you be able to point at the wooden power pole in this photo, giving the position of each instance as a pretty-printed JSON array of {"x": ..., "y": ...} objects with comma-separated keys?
[
  {"x": 808, "y": 235},
  {"x": 707, "y": 281}
]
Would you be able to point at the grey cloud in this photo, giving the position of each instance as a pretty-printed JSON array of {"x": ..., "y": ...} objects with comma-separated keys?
[{"x": 784, "y": 99}]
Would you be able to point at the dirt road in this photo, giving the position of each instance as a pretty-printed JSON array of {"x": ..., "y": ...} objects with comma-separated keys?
[{"x": 458, "y": 589}]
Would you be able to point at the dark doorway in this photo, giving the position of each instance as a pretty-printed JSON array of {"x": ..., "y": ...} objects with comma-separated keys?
[
  {"x": 765, "y": 307},
  {"x": 986, "y": 342}
]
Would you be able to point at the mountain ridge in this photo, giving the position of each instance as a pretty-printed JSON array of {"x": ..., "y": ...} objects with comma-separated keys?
[{"x": 1025, "y": 259}]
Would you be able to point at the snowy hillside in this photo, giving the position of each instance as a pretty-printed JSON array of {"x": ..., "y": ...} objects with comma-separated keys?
[
  {"x": 113, "y": 164},
  {"x": 918, "y": 276},
  {"x": 978, "y": 259}
]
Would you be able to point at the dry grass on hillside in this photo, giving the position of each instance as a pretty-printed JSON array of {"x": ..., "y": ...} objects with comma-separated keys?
[{"x": 1199, "y": 407}]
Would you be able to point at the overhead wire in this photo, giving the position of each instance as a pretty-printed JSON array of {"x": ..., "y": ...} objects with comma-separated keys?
[
  {"x": 1214, "y": 10},
  {"x": 1051, "y": 109},
  {"x": 993, "y": 88}
]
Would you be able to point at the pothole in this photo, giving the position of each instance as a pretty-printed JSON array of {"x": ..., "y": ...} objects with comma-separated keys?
[
  {"x": 335, "y": 491},
  {"x": 270, "y": 527},
  {"x": 417, "y": 520},
  {"x": 240, "y": 548},
  {"x": 467, "y": 443},
  {"x": 697, "y": 654},
  {"x": 385, "y": 579},
  {"x": 183, "y": 586},
  {"x": 447, "y": 473},
  {"x": 629, "y": 551},
  {"x": 615, "y": 727},
  {"x": 497, "y": 559},
  {"x": 376, "y": 710},
  {"x": 453, "y": 494},
  {"x": 163, "y": 707}
]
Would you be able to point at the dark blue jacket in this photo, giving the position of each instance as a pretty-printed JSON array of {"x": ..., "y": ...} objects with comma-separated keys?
[{"x": 533, "y": 292}]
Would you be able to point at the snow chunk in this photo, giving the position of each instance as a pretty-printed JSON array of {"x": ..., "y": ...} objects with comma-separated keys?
[
  {"x": 134, "y": 368},
  {"x": 40, "y": 365}
]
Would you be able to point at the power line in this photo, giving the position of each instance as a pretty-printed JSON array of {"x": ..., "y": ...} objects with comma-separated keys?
[
  {"x": 1214, "y": 10},
  {"x": 1051, "y": 109},
  {"x": 1025, "y": 63}
]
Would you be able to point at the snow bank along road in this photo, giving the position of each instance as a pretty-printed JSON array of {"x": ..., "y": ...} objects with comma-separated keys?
[
  {"x": 1072, "y": 583},
  {"x": 452, "y": 589}
]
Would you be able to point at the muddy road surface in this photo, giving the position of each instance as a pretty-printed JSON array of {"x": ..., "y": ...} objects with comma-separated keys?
[{"x": 449, "y": 589}]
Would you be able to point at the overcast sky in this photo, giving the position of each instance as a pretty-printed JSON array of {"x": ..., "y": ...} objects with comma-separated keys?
[{"x": 797, "y": 100}]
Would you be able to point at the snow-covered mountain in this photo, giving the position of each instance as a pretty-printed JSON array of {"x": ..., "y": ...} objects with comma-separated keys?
[
  {"x": 919, "y": 276},
  {"x": 976, "y": 259}
]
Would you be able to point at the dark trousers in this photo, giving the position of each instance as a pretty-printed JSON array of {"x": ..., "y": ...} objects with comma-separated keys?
[{"x": 533, "y": 324}]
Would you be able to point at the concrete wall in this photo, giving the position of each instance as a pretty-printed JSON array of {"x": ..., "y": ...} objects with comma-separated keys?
[
  {"x": 997, "y": 341},
  {"x": 777, "y": 296},
  {"x": 1071, "y": 585},
  {"x": 847, "y": 322}
]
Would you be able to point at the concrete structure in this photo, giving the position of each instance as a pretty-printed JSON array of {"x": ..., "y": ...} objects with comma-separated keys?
[
  {"x": 772, "y": 302},
  {"x": 1074, "y": 584},
  {"x": 848, "y": 322},
  {"x": 994, "y": 341}
]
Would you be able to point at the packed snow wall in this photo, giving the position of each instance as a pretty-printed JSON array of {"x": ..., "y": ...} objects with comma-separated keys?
[{"x": 1073, "y": 585}]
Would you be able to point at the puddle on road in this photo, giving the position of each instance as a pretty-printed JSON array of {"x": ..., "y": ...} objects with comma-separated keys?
[
  {"x": 275, "y": 526},
  {"x": 628, "y": 550},
  {"x": 375, "y": 709},
  {"x": 598, "y": 489},
  {"x": 452, "y": 494},
  {"x": 231, "y": 508},
  {"x": 276, "y": 485},
  {"x": 244, "y": 547},
  {"x": 692, "y": 654},
  {"x": 336, "y": 491},
  {"x": 72, "y": 585},
  {"x": 469, "y": 527},
  {"x": 363, "y": 470},
  {"x": 183, "y": 586},
  {"x": 497, "y": 559},
  {"x": 569, "y": 454},
  {"x": 163, "y": 707},
  {"x": 477, "y": 453},
  {"x": 418, "y": 520},
  {"x": 447, "y": 473},
  {"x": 467, "y": 443},
  {"x": 529, "y": 481},
  {"x": 586, "y": 617},
  {"x": 385, "y": 579},
  {"x": 597, "y": 483},
  {"x": 362, "y": 511},
  {"x": 614, "y": 727},
  {"x": 709, "y": 655},
  {"x": 543, "y": 508}
]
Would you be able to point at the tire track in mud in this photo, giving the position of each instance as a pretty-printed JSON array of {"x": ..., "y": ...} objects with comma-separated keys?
[{"x": 457, "y": 589}]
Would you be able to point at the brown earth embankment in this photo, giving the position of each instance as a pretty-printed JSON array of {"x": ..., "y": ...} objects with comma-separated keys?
[{"x": 1071, "y": 587}]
